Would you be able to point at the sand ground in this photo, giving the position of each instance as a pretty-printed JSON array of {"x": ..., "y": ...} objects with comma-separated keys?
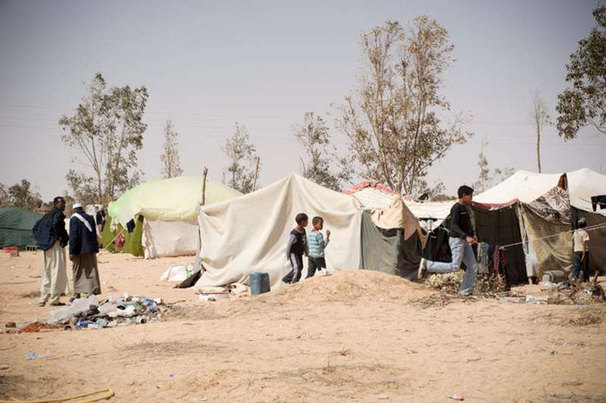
[{"x": 353, "y": 336}]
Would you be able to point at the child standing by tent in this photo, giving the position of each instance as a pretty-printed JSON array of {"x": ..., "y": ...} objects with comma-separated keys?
[
  {"x": 316, "y": 243},
  {"x": 296, "y": 247},
  {"x": 580, "y": 239}
]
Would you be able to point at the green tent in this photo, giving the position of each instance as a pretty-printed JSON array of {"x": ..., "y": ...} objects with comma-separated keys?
[
  {"x": 132, "y": 240},
  {"x": 173, "y": 199},
  {"x": 166, "y": 215},
  {"x": 16, "y": 225}
]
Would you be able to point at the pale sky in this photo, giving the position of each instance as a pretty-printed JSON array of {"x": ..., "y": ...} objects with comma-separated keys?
[{"x": 263, "y": 64}]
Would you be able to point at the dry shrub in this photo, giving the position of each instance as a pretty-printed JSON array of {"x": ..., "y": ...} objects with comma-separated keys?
[
  {"x": 585, "y": 319},
  {"x": 447, "y": 282}
]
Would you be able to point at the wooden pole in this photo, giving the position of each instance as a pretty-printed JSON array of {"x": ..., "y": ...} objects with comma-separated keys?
[
  {"x": 257, "y": 161},
  {"x": 204, "y": 174}
]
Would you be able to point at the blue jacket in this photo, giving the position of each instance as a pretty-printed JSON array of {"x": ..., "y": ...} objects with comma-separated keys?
[{"x": 81, "y": 239}]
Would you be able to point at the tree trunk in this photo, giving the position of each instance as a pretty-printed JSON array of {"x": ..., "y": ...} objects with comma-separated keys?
[{"x": 539, "y": 149}]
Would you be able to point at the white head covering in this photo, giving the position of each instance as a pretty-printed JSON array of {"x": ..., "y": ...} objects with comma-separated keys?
[{"x": 76, "y": 205}]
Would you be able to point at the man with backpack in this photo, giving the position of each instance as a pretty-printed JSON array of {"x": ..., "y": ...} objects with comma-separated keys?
[{"x": 52, "y": 238}]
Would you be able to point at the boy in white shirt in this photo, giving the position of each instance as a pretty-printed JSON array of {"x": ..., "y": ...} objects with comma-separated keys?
[{"x": 580, "y": 239}]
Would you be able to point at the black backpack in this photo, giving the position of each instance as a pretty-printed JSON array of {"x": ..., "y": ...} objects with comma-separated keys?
[{"x": 44, "y": 232}]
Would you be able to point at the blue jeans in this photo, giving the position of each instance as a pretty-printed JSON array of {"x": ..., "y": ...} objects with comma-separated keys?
[
  {"x": 461, "y": 252},
  {"x": 578, "y": 265}
]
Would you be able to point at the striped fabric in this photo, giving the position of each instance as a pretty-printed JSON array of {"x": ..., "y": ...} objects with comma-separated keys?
[{"x": 315, "y": 242}]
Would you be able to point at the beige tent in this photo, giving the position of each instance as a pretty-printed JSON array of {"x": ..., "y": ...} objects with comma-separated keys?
[{"x": 248, "y": 234}]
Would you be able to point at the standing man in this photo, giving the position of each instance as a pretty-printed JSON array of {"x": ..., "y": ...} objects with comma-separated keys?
[
  {"x": 52, "y": 238},
  {"x": 83, "y": 248},
  {"x": 461, "y": 237}
]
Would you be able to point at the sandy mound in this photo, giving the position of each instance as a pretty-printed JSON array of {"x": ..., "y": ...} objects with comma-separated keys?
[{"x": 346, "y": 286}]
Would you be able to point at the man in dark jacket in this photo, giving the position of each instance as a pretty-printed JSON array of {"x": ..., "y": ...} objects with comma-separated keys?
[
  {"x": 52, "y": 238},
  {"x": 461, "y": 237},
  {"x": 83, "y": 248}
]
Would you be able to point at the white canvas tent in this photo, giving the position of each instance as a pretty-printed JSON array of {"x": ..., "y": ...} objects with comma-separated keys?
[
  {"x": 429, "y": 214},
  {"x": 248, "y": 234},
  {"x": 528, "y": 186}
]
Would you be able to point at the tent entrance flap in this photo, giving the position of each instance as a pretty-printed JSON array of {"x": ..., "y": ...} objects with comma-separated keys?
[{"x": 385, "y": 250}]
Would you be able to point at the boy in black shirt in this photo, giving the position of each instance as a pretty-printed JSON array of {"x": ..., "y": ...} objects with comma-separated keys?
[
  {"x": 461, "y": 237},
  {"x": 296, "y": 247}
]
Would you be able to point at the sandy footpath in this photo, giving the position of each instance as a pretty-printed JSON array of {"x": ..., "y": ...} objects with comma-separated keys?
[{"x": 353, "y": 336}]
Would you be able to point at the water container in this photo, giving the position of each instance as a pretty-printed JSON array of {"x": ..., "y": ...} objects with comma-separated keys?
[{"x": 259, "y": 283}]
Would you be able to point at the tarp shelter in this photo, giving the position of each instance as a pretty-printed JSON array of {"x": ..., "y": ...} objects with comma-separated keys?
[
  {"x": 528, "y": 186},
  {"x": 499, "y": 225},
  {"x": 248, "y": 234},
  {"x": 169, "y": 208},
  {"x": 376, "y": 196},
  {"x": 16, "y": 225},
  {"x": 371, "y": 195},
  {"x": 545, "y": 226},
  {"x": 392, "y": 240}
]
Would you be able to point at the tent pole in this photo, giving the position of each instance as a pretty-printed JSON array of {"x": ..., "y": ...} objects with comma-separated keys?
[
  {"x": 257, "y": 160},
  {"x": 204, "y": 173}
]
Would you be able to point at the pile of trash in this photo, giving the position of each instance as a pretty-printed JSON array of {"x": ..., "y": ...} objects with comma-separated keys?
[
  {"x": 115, "y": 311},
  {"x": 559, "y": 289}
]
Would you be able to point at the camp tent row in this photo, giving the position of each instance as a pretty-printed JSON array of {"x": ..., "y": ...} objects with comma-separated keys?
[
  {"x": 159, "y": 217},
  {"x": 248, "y": 234}
]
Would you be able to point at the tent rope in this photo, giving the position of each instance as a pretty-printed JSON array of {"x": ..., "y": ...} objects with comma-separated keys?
[{"x": 590, "y": 228}]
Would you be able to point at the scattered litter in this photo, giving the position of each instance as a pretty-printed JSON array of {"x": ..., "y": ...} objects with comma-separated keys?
[
  {"x": 106, "y": 393},
  {"x": 35, "y": 327},
  {"x": 31, "y": 356},
  {"x": 178, "y": 273},
  {"x": 455, "y": 396},
  {"x": 115, "y": 311},
  {"x": 382, "y": 396},
  {"x": 531, "y": 299},
  {"x": 217, "y": 293},
  {"x": 10, "y": 324}
]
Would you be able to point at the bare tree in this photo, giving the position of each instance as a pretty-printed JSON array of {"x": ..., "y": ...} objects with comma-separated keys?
[
  {"x": 241, "y": 153},
  {"x": 314, "y": 136},
  {"x": 484, "y": 169},
  {"x": 106, "y": 131},
  {"x": 391, "y": 120},
  {"x": 488, "y": 177},
  {"x": 540, "y": 119},
  {"x": 171, "y": 165}
]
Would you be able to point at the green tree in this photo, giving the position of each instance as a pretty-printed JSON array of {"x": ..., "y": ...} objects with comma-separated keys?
[
  {"x": 22, "y": 195},
  {"x": 584, "y": 103},
  {"x": 106, "y": 131},
  {"x": 244, "y": 163},
  {"x": 391, "y": 121},
  {"x": 314, "y": 136},
  {"x": 171, "y": 165}
]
